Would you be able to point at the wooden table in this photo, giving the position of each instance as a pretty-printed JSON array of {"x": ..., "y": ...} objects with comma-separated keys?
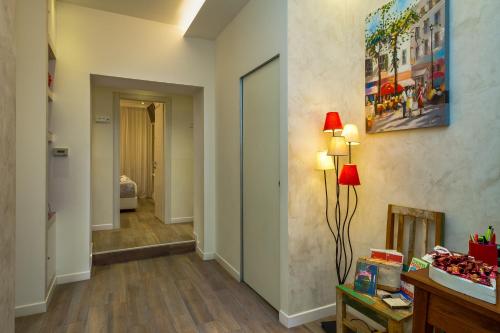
[
  {"x": 449, "y": 310},
  {"x": 372, "y": 307}
]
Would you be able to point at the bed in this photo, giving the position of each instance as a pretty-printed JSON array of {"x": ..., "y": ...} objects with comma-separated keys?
[{"x": 128, "y": 193}]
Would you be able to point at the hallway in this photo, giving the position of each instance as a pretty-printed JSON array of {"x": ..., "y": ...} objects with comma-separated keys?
[{"x": 179, "y": 293}]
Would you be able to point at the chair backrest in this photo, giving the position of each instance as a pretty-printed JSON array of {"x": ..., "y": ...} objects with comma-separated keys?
[{"x": 412, "y": 216}]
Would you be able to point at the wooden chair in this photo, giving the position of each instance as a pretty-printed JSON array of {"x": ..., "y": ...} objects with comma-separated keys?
[
  {"x": 373, "y": 307},
  {"x": 412, "y": 216}
]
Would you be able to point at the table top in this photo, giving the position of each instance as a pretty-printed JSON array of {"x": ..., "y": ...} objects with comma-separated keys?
[
  {"x": 375, "y": 303},
  {"x": 420, "y": 279}
]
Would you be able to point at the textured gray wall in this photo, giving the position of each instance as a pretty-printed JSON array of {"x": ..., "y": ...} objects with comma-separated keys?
[
  {"x": 7, "y": 164},
  {"x": 454, "y": 169}
]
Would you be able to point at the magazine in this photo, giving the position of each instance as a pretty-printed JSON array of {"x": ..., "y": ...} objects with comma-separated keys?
[
  {"x": 365, "y": 280},
  {"x": 407, "y": 289}
]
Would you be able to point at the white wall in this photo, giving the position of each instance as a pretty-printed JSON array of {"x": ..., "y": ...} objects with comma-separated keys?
[
  {"x": 102, "y": 155},
  {"x": 102, "y": 158},
  {"x": 31, "y": 150},
  {"x": 97, "y": 42},
  {"x": 7, "y": 164},
  {"x": 182, "y": 159},
  {"x": 454, "y": 169},
  {"x": 198, "y": 178},
  {"x": 257, "y": 34}
]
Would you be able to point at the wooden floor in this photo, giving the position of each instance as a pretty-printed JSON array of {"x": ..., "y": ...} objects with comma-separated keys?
[
  {"x": 140, "y": 228},
  {"x": 179, "y": 293}
]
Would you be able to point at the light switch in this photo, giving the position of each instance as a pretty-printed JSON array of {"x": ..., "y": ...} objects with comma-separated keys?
[{"x": 60, "y": 152}]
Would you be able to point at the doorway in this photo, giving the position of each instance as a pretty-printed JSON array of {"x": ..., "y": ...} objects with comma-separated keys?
[
  {"x": 141, "y": 141},
  {"x": 142, "y": 186},
  {"x": 142, "y": 162},
  {"x": 260, "y": 117},
  {"x": 141, "y": 158}
]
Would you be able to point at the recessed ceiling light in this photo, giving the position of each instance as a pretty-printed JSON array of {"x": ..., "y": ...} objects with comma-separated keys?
[{"x": 142, "y": 102}]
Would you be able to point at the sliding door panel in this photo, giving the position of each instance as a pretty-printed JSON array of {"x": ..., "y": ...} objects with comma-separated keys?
[{"x": 260, "y": 180}]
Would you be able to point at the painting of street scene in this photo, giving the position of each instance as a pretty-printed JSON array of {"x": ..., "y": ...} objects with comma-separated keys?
[{"x": 406, "y": 66}]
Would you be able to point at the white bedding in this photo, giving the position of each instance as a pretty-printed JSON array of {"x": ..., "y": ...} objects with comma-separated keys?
[
  {"x": 128, "y": 193},
  {"x": 128, "y": 203}
]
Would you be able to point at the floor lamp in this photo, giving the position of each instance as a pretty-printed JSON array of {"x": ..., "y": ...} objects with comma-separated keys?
[{"x": 341, "y": 142}]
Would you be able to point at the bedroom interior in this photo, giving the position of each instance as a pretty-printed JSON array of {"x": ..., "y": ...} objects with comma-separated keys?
[{"x": 138, "y": 160}]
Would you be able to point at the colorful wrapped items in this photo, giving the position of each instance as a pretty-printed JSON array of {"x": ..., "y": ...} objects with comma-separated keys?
[{"x": 465, "y": 267}]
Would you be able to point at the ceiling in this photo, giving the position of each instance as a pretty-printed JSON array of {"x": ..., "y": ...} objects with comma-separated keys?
[
  {"x": 204, "y": 18},
  {"x": 213, "y": 17},
  {"x": 175, "y": 12}
]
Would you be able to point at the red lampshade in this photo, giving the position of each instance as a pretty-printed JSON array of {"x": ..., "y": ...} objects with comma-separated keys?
[
  {"x": 332, "y": 122},
  {"x": 349, "y": 175}
]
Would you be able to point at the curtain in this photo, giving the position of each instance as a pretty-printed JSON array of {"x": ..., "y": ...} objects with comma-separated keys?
[{"x": 136, "y": 149}]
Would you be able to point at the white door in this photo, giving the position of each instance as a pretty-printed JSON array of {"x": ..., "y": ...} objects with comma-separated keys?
[
  {"x": 261, "y": 231},
  {"x": 158, "y": 163}
]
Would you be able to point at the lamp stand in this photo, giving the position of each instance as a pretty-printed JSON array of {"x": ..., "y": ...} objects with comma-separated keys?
[
  {"x": 343, "y": 246},
  {"x": 347, "y": 224},
  {"x": 331, "y": 326},
  {"x": 326, "y": 212}
]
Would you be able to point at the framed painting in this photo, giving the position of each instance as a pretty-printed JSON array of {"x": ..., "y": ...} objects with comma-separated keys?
[{"x": 407, "y": 66}]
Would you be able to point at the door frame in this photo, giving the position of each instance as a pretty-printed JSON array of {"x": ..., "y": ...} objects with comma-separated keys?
[
  {"x": 242, "y": 260},
  {"x": 167, "y": 149}
]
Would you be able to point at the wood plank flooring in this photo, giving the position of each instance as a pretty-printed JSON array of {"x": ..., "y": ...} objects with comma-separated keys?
[
  {"x": 140, "y": 228},
  {"x": 178, "y": 293}
]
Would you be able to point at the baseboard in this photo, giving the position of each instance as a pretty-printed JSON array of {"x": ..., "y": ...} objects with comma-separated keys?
[
  {"x": 31, "y": 309},
  {"x": 96, "y": 227},
  {"x": 35, "y": 308},
  {"x": 181, "y": 219},
  {"x": 306, "y": 316},
  {"x": 73, "y": 277},
  {"x": 228, "y": 267},
  {"x": 205, "y": 255}
]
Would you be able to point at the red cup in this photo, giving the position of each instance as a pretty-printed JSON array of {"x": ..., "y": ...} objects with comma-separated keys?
[{"x": 484, "y": 252}]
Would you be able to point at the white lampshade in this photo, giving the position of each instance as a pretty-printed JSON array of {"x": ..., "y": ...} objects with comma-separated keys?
[
  {"x": 337, "y": 146},
  {"x": 323, "y": 161},
  {"x": 351, "y": 135}
]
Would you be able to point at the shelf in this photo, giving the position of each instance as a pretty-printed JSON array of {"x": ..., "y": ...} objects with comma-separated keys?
[
  {"x": 52, "y": 53},
  {"x": 50, "y": 94}
]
